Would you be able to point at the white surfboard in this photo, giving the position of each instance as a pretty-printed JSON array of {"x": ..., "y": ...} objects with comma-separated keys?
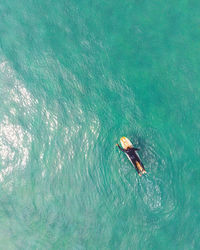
[{"x": 125, "y": 142}]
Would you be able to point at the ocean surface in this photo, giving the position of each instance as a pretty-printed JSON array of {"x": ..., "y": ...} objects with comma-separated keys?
[{"x": 75, "y": 76}]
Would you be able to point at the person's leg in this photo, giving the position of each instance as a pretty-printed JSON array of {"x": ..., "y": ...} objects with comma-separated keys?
[{"x": 139, "y": 166}]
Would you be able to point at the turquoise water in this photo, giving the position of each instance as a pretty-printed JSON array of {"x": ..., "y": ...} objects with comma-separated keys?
[{"x": 75, "y": 76}]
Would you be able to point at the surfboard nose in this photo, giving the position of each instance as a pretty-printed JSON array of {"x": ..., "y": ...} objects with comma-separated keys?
[{"x": 123, "y": 138}]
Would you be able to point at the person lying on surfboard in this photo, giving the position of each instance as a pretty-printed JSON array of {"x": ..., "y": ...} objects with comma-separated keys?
[{"x": 132, "y": 155}]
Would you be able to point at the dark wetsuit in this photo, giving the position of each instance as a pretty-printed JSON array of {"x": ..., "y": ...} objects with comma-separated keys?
[{"x": 133, "y": 156}]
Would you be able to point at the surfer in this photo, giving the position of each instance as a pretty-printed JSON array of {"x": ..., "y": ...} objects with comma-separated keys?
[{"x": 131, "y": 152}]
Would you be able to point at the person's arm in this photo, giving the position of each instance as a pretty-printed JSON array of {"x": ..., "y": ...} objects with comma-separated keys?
[
  {"x": 124, "y": 150},
  {"x": 136, "y": 149}
]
